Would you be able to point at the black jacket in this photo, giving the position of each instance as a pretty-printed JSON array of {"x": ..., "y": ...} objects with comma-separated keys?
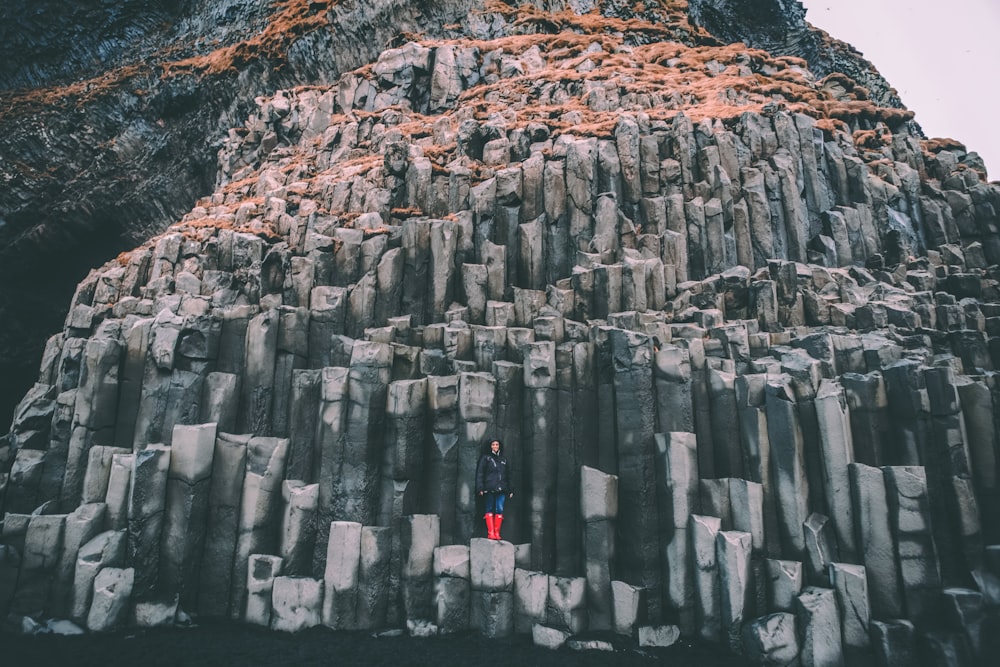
[{"x": 491, "y": 474}]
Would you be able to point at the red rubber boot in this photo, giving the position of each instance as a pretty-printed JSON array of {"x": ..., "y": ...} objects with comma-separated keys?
[
  {"x": 490, "y": 529},
  {"x": 497, "y": 520}
]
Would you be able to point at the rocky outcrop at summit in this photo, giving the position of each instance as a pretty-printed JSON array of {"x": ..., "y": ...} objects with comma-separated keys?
[{"x": 736, "y": 325}]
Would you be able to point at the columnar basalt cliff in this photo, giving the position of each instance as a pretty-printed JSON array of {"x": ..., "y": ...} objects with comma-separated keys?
[{"x": 736, "y": 323}]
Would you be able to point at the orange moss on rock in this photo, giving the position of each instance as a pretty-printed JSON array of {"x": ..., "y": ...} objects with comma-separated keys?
[{"x": 291, "y": 20}]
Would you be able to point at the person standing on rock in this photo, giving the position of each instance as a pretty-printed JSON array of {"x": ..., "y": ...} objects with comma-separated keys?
[{"x": 493, "y": 482}]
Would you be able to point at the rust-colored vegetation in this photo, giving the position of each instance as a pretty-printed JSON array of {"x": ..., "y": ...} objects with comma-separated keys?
[{"x": 291, "y": 20}]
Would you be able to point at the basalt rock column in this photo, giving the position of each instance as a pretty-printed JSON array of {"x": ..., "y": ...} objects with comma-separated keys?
[
  {"x": 81, "y": 525},
  {"x": 910, "y": 518},
  {"x": 420, "y": 534},
  {"x": 787, "y": 466},
  {"x": 599, "y": 509},
  {"x": 373, "y": 576},
  {"x": 677, "y": 470},
  {"x": 329, "y": 442},
  {"x": 343, "y": 559},
  {"x": 145, "y": 517},
  {"x": 703, "y": 534},
  {"x": 298, "y": 526},
  {"x": 442, "y": 459},
  {"x": 222, "y": 525},
  {"x": 188, "y": 486},
  {"x": 638, "y": 550},
  {"x": 475, "y": 412},
  {"x": 540, "y": 419},
  {"x": 875, "y": 540},
  {"x": 491, "y": 565},
  {"x": 259, "y": 505}
]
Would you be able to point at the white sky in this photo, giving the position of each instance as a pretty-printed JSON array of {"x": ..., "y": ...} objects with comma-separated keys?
[{"x": 942, "y": 57}]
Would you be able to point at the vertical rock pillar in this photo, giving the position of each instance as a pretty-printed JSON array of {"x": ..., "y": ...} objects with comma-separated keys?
[
  {"x": 599, "y": 509},
  {"x": 343, "y": 559},
  {"x": 677, "y": 486},
  {"x": 491, "y": 565},
  {"x": 540, "y": 419},
  {"x": 638, "y": 548},
  {"x": 258, "y": 517},
  {"x": 188, "y": 484},
  {"x": 228, "y": 474}
]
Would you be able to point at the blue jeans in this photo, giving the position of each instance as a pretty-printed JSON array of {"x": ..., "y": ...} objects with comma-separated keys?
[{"x": 495, "y": 501}]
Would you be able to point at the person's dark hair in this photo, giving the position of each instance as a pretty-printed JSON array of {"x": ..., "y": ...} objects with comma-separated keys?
[{"x": 488, "y": 447}]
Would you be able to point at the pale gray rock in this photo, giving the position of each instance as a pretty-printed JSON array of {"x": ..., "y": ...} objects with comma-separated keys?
[
  {"x": 420, "y": 534},
  {"x": 702, "y": 533},
  {"x": 851, "y": 586},
  {"x": 189, "y": 474},
  {"x": 106, "y": 549},
  {"x": 298, "y": 526},
  {"x": 819, "y": 627},
  {"x": 222, "y": 527},
  {"x": 154, "y": 613},
  {"x": 452, "y": 598},
  {"x": 875, "y": 540},
  {"x": 340, "y": 580},
  {"x": 109, "y": 605},
  {"x": 566, "y": 604},
  {"x": 546, "y": 637},
  {"x": 785, "y": 580},
  {"x": 678, "y": 472},
  {"x": 733, "y": 550},
  {"x": 296, "y": 603},
  {"x": 262, "y": 570},
  {"x": 660, "y": 636},
  {"x": 259, "y": 512},
  {"x": 491, "y": 565},
  {"x": 531, "y": 593},
  {"x": 373, "y": 576},
  {"x": 771, "y": 640},
  {"x": 452, "y": 561},
  {"x": 625, "y": 607}
]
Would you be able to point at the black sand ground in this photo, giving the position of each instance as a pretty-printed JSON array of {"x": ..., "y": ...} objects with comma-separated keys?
[{"x": 229, "y": 644}]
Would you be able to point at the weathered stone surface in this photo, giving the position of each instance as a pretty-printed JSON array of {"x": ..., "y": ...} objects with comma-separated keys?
[
  {"x": 703, "y": 533},
  {"x": 771, "y": 640},
  {"x": 550, "y": 638},
  {"x": 188, "y": 485},
  {"x": 658, "y": 318},
  {"x": 106, "y": 549},
  {"x": 145, "y": 516},
  {"x": 732, "y": 553},
  {"x": 492, "y": 613},
  {"x": 262, "y": 570},
  {"x": 658, "y": 635},
  {"x": 343, "y": 560},
  {"x": 565, "y": 607},
  {"x": 298, "y": 528},
  {"x": 452, "y": 596},
  {"x": 222, "y": 528},
  {"x": 109, "y": 606},
  {"x": 373, "y": 576},
  {"x": 296, "y": 603},
  {"x": 531, "y": 593},
  {"x": 259, "y": 515},
  {"x": 491, "y": 564},
  {"x": 819, "y": 627},
  {"x": 851, "y": 586},
  {"x": 785, "y": 579},
  {"x": 420, "y": 534}
]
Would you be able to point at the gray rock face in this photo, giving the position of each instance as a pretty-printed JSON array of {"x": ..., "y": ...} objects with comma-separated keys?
[{"x": 730, "y": 350}]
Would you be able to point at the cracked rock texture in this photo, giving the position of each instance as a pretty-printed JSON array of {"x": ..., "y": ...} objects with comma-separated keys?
[{"x": 736, "y": 322}]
